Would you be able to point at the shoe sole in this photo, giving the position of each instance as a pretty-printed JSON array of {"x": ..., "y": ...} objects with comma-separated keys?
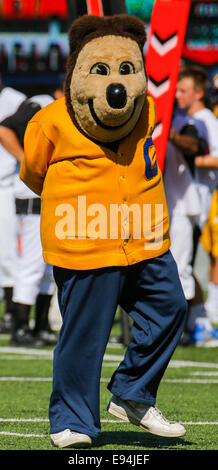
[
  {"x": 75, "y": 440},
  {"x": 75, "y": 445},
  {"x": 116, "y": 411}
]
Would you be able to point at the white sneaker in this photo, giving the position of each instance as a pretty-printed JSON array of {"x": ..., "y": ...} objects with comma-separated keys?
[
  {"x": 148, "y": 418},
  {"x": 68, "y": 438}
]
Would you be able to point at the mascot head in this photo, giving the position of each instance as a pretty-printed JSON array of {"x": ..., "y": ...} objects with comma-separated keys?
[{"x": 106, "y": 82}]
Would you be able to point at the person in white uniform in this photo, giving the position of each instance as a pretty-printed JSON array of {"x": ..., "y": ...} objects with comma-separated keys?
[
  {"x": 190, "y": 95},
  {"x": 33, "y": 280},
  {"x": 10, "y": 100},
  {"x": 182, "y": 199}
]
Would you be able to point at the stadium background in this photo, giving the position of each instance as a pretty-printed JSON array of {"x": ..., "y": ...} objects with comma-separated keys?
[{"x": 34, "y": 42}]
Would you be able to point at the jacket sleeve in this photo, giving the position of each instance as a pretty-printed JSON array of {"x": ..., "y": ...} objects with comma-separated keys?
[{"x": 38, "y": 150}]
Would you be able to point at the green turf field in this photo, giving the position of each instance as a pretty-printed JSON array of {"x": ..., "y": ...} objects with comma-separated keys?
[{"x": 188, "y": 393}]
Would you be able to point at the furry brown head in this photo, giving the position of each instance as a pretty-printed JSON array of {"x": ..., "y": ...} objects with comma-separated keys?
[{"x": 106, "y": 82}]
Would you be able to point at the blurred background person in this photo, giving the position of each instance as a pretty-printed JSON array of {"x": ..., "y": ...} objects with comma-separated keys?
[
  {"x": 10, "y": 100},
  {"x": 33, "y": 280},
  {"x": 192, "y": 97},
  {"x": 189, "y": 191}
]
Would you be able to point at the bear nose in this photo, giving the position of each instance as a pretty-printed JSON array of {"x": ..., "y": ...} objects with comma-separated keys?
[{"x": 116, "y": 95}]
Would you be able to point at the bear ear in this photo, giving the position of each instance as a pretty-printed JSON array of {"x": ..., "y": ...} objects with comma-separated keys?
[
  {"x": 131, "y": 26},
  {"x": 84, "y": 26},
  {"x": 88, "y": 27}
]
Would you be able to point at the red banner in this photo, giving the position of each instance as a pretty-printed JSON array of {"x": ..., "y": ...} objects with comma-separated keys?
[
  {"x": 94, "y": 7},
  {"x": 165, "y": 45}
]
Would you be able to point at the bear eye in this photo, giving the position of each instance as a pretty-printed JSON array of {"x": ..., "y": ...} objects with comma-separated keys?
[
  {"x": 100, "y": 69},
  {"x": 126, "y": 68}
]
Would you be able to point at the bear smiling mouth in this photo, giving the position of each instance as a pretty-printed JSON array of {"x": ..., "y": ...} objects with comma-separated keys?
[{"x": 101, "y": 124}]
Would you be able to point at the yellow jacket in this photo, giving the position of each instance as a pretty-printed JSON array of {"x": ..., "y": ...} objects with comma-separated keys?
[{"x": 99, "y": 208}]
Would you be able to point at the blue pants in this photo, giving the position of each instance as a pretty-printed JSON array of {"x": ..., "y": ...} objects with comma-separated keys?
[{"x": 151, "y": 293}]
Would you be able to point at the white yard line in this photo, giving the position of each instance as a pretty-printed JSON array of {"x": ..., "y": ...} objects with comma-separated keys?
[
  {"x": 25, "y": 379},
  {"x": 13, "y": 357},
  {"x": 204, "y": 373},
  {"x": 178, "y": 364},
  {"x": 111, "y": 421},
  {"x": 24, "y": 420},
  {"x": 183, "y": 422},
  {"x": 106, "y": 380},
  {"x": 27, "y": 351},
  {"x": 190, "y": 381},
  {"x": 48, "y": 354},
  {"x": 46, "y": 420},
  {"x": 17, "y": 434}
]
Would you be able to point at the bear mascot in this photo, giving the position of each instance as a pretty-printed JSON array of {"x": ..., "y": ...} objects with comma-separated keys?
[{"x": 105, "y": 229}]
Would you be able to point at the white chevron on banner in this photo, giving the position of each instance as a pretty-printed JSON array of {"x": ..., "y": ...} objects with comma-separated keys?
[
  {"x": 157, "y": 89},
  {"x": 163, "y": 46}
]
